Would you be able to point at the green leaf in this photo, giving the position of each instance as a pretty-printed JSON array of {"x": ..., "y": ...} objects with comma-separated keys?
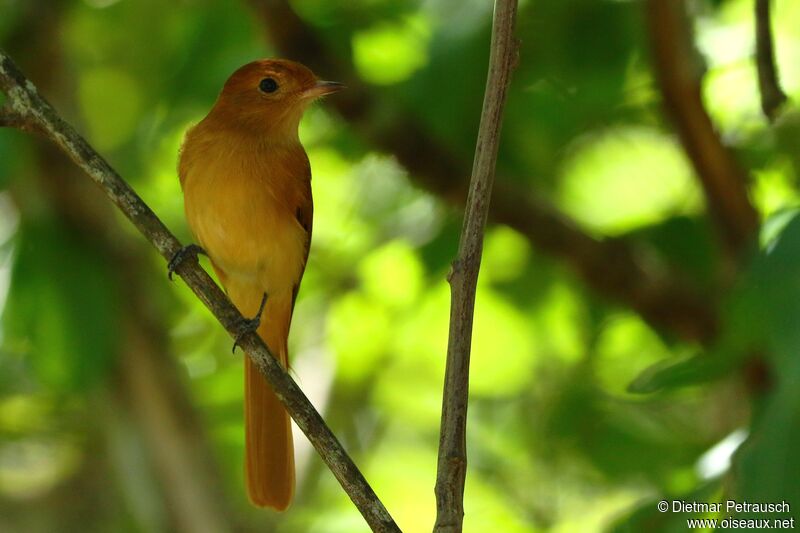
[
  {"x": 764, "y": 462},
  {"x": 625, "y": 345},
  {"x": 771, "y": 309},
  {"x": 669, "y": 374}
]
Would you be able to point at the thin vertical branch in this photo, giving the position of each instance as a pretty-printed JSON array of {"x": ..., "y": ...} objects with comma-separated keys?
[
  {"x": 772, "y": 96},
  {"x": 452, "y": 465}
]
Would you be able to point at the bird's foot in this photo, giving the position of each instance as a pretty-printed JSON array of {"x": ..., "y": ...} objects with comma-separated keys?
[
  {"x": 190, "y": 250},
  {"x": 248, "y": 325}
]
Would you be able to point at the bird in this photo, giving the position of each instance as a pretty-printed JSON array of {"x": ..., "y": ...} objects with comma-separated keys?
[{"x": 246, "y": 182}]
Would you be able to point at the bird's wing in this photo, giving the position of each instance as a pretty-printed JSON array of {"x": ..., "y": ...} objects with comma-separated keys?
[{"x": 304, "y": 213}]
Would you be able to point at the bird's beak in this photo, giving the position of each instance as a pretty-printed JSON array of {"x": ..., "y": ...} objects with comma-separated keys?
[{"x": 321, "y": 88}]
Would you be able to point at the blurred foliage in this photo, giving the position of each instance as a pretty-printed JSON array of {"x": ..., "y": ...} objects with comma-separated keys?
[
  {"x": 561, "y": 436},
  {"x": 70, "y": 345}
]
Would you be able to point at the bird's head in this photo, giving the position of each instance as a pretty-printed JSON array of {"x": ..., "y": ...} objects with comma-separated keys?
[{"x": 269, "y": 96}]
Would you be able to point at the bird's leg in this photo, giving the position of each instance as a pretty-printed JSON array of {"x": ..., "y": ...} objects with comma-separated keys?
[
  {"x": 247, "y": 325},
  {"x": 190, "y": 250}
]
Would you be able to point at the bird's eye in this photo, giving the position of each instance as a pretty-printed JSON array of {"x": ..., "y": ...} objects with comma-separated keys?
[{"x": 268, "y": 85}]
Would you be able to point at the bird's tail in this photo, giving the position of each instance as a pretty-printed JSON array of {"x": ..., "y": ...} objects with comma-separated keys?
[{"x": 269, "y": 452}]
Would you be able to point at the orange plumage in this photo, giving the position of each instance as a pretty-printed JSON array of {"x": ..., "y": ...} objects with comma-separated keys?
[{"x": 247, "y": 195}]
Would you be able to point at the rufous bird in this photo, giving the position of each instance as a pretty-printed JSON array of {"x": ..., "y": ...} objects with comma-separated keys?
[{"x": 246, "y": 182}]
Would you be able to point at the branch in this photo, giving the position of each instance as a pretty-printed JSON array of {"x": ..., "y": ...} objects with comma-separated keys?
[
  {"x": 772, "y": 96},
  {"x": 24, "y": 101},
  {"x": 452, "y": 464},
  {"x": 615, "y": 268},
  {"x": 11, "y": 119},
  {"x": 724, "y": 183}
]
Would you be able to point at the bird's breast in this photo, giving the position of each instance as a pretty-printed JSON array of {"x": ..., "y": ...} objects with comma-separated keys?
[{"x": 241, "y": 208}]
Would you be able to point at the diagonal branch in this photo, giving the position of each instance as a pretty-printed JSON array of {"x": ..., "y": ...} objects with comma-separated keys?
[
  {"x": 615, "y": 268},
  {"x": 772, "y": 96},
  {"x": 24, "y": 102},
  {"x": 11, "y": 119},
  {"x": 723, "y": 181},
  {"x": 452, "y": 465}
]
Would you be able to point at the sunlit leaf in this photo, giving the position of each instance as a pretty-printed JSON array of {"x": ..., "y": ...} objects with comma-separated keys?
[
  {"x": 562, "y": 324},
  {"x": 390, "y": 52},
  {"x": 393, "y": 274},
  {"x": 502, "y": 348},
  {"x": 359, "y": 332},
  {"x": 505, "y": 255},
  {"x": 626, "y": 178}
]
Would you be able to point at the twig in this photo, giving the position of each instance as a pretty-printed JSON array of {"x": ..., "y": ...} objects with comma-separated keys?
[
  {"x": 452, "y": 464},
  {"x": 772, "y": 96},
  {"x": 615, "y": 268},
  {"x": 24, "y": 101},
  {"x": 723, "y": 181}
]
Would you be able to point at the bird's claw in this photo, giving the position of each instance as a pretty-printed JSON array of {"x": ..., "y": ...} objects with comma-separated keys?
[
  {"x": 249, "y": 325},
  {"x": 190, "y": 250}
]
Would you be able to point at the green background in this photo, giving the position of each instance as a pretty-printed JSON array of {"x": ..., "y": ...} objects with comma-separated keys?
[{"x": 582, "y": 414}]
